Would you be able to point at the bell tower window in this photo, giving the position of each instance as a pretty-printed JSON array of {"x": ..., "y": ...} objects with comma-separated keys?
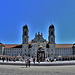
[
  {"x": 51, "y": 39},
  {"x": 51, "y": 33},
  {"x": 25, "y": 33}
]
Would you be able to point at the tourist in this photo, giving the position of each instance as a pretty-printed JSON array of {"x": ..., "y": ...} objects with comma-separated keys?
[
  {"x": 7, "y": 59},
  {"x": 26, "y": 62},
  {"x": 39, "y": 60},
  {"x": 29, "y": 62},
  {"x": 34, "y": 60},
  {"x": 55, "y": 59},
  {"x": 3, "y": 59}
]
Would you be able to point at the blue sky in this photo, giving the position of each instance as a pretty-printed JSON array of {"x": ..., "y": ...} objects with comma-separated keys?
[{"x": 38, "y": 15}]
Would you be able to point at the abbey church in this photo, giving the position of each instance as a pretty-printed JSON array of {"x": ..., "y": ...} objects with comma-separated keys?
[{"x": 39, "y": 47}]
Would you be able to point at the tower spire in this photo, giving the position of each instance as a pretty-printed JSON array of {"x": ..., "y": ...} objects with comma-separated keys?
[
  {"x": 25, "y": 22},
  {"x": 51, "y": 22}
]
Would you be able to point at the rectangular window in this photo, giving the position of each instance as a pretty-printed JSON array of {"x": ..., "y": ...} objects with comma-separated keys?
[
  {"x": 51, "y": 50},
  {"x": 25, "y": 50}
]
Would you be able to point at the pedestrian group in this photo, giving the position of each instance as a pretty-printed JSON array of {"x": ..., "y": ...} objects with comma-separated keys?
[{"x": 27, "y": 62}]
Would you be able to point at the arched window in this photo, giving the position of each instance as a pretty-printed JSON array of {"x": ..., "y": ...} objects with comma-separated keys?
[{"x": 51, "y": 32}]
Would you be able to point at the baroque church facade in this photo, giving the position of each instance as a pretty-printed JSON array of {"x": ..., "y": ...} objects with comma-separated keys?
[{"x": 38, "y": 47}]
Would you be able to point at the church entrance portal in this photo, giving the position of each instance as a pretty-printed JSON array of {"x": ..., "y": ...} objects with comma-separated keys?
[{"x": 40, "y": 55}]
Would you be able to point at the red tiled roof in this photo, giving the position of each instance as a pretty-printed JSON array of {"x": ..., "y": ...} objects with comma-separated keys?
[
  {"x": 63, "y": 45},
  {"x": 56, "y": 45},
  {"x": 11, "y": 45},
  {"x": 1, "y": 44}
]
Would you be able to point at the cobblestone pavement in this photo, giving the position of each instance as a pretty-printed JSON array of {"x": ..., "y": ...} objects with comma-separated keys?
[{"x": 37, "y": 70}]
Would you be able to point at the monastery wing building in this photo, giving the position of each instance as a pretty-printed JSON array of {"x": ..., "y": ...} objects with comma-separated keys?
[{"x": 39, "y": 47}]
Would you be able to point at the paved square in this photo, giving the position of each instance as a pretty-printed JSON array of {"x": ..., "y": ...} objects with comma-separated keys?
[{"x": 37, "y": 70}]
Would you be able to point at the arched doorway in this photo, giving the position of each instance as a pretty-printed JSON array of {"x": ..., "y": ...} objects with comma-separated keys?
[{"x": 40, "y": 54}]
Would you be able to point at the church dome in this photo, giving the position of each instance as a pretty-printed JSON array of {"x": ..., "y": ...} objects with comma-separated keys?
[{"x": 51, "y": 26}]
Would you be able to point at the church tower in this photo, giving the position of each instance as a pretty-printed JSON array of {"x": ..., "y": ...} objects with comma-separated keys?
[
  {"x": 25, "y": 41},
  {"x": 51, "y": 41},
  {"x": 51, "y": 38},
  {"x": 25, "y": 34}
]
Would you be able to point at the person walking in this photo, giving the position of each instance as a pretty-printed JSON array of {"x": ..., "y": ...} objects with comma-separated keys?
[
  {"x": 7, "y": 59},
  {"x": 29, "y": 62},
  {"x": 34, "y": 60},
  {"x": 3, "y": 59},
  {"x": 39, "y": 60},
  {"x": 26, "y": 62}
]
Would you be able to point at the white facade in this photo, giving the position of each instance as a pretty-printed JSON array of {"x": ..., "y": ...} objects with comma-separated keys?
[
  {"x": 13, "y": 51},
  {"x": 1, "y": 49},
  {"x": 64, "y": 51},
  {"x": 30, "y": 49}
]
